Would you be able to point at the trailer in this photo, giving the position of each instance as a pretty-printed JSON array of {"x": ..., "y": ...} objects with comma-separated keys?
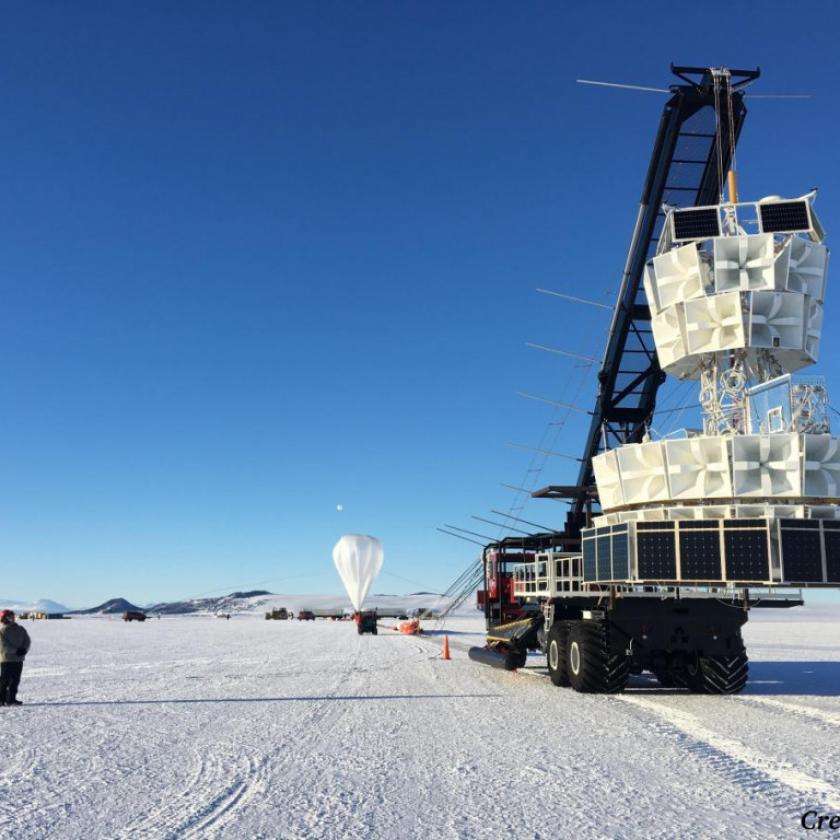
[
  {"x": 669, "y": 543},
  {"x": 332, "y": 614},
  {"x": 392, "y": 613}
]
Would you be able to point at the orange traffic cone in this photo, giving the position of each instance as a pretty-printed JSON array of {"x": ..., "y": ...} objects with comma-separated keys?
[{"x": 445, "y": 648}]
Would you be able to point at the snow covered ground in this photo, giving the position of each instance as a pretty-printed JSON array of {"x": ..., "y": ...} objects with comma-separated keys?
[{"x": 201, "y": 727}]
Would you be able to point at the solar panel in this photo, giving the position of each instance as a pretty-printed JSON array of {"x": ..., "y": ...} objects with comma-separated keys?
[
  {"x": 747, "y": 556},
  {"x": 603, "y": 567},
  {"x": 700, "y": 554},
  {"x": 701, "y": 223},
  {"x": 590, "y": 566},
  {"x": 802, "y": 556},
  {"x": 620, "y": 556},
  {"x": 832, "y": 557},
  {"x": 784, "y": 216},
  {"x": 657, "y": 556}
]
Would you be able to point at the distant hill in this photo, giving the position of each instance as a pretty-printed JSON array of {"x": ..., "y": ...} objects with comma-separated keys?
[
  {"x": 256, "y": 603},
  {"x": 235, "y": 602},
  {"x": 112, "y": 607},
  {"x": 43, "y": 605}
]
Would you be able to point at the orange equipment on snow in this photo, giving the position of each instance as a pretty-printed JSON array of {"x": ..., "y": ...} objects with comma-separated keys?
[{"x": 410, "y": 628}]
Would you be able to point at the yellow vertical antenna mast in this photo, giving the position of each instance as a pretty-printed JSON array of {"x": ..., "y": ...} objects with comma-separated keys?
[
  {"x": 732, "y": 178},
  {"x": 732, "y": 183}
]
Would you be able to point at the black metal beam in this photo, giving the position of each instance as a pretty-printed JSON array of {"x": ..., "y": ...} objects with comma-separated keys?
[{"x": 623, "y": 410}]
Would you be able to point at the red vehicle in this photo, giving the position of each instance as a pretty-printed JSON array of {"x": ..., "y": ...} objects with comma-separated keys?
[
  {"x": 497, "y": 598},
  {"x": 306, "y": 615}
]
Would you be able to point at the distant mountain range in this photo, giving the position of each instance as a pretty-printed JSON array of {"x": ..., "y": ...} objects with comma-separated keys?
[
  {"x": 44, "y": 605},
  {"x": 254, "y": 602},
  {"x": 235, "y": 602}
]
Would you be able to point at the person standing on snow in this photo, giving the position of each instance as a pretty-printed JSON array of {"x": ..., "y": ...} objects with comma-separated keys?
[{"x": 14, "y": 645}]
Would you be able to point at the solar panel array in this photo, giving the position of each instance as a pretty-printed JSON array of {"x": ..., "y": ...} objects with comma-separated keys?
[
  {"x": 703, "y": 223},
  {"x": 784, "y": 217}
]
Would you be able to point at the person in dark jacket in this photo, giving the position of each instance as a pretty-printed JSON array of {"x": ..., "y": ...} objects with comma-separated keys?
[{"x": 14, "y": 645}]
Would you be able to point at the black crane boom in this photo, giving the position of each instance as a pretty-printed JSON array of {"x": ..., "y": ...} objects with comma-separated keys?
[{"x": 683, "y": 172}]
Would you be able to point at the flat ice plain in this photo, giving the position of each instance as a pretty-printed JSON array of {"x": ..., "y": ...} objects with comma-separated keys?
[{"x": 199, "y": 727}]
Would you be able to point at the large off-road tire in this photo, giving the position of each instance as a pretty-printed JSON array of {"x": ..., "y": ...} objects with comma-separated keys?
[
  {"x": 592, "y": 667},
  {"x": 556, "y": 652},
  {"x": 375, "y": 630},
  {"x": 718, "y": 674},
  {"x": 359, "y": 629}
]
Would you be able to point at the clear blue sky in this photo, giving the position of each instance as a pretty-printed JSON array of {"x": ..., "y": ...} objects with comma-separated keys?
[{"x": 261, "y": 259}]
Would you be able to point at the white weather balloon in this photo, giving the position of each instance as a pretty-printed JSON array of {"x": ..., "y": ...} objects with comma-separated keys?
[{"x": 358, "y": 559}]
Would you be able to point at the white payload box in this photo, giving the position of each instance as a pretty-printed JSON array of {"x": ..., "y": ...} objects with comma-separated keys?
[
  {"x": 824, "y": 511},
  {"x": 675, "y": 276},
  {"x": 753, "y": 292},
  {"x": 813, "y": 327},
  {"x": 714, "y": 323},
  {"x": 683, "y": 514},
  {"x": 358, "y": 559},
  {"x": 698, "y": 468},
  {"x": 608, "y": 480},
  {"x": 808, "y": 268},
  {"x": 777, "y": 320},
  {"x": 715, "y": 512},
  {"x": 766, "y": 465},
  {"x": 642, "y": 469},
  {"x": 785, "y": 511},
  {"x": 652, "y": 515},
  {"x": 822, "y": 466},
  {"x": 750, "y": 511},
  {"x": 669, "y": 335},
  {"x": 747, "y": 263}
]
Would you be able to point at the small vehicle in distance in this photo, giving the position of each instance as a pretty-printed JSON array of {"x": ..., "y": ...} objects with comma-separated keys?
[
  {"x": 134, "y": 615},
  {"x": 306, "y": 615},
  {"x": 366, "y": 622}
]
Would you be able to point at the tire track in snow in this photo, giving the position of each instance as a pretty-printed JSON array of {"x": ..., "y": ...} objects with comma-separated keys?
[
  {"x": 56, "y": 796},
  {"x": 219, "y": 809},
  {"x": 219, "y": 786},
  {"x": 744, "y": 766},
  {"x": 317, "y": 724},
  {"x": 21, "y": 767},
  {"x": 747, "y": 768},
  {"x": 162, "y": 820},
  {"x": 796, "y": 709},
  {"x": 223, "y": 790},
  {"x": 313, "y": 814}
]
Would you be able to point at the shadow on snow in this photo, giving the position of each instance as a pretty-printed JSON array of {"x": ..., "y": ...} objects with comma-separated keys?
[
  {"x": 318, "y": 698},
  {"x": 815, "y": 679}
]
